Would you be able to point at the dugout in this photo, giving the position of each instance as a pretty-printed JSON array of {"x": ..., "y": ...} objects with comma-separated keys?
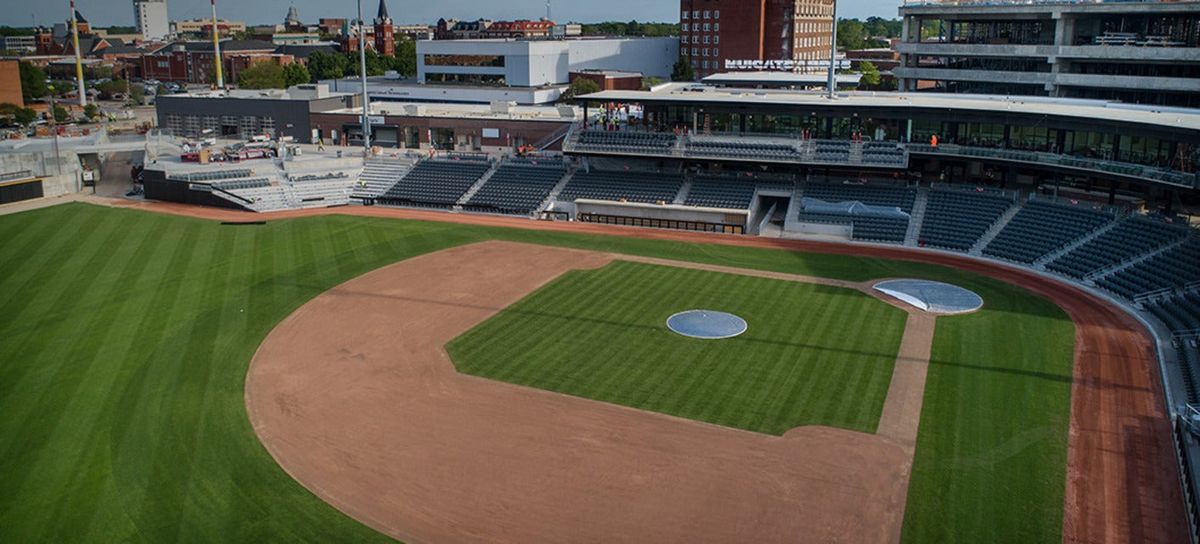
[
  {"x": 19, "y": 186},
  {"x": 662, "y": 216}
]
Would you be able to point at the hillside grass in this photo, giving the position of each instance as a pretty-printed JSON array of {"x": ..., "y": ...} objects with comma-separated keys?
[
  {"x": 812, "y": 355},
  {"x": 125, "y": 338}
]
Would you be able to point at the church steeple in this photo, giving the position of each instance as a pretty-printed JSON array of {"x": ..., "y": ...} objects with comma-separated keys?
[{"x": 382, "y": 16}]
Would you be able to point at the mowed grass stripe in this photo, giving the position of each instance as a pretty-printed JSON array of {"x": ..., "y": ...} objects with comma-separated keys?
[
  {"x": 620, "y": 350},
  {"x": 990, "y": 463}
]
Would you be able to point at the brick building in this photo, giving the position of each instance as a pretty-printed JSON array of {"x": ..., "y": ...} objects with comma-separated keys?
[
  {"x": 10, "y": 83},
  {"x": 192, "y": 62},
  {"x": 773, "y": 35}
]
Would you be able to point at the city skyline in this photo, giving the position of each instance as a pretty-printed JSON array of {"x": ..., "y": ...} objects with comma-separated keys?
[{"x": 104, "y": 13}]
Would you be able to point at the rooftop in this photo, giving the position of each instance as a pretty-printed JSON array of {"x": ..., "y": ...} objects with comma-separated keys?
[
  {"x": 1179, "y": 118},
  {"x": 497, "y": 112}
]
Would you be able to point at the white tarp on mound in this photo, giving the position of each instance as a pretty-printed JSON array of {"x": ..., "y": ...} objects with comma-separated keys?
[{"x": 932, "y": 296}]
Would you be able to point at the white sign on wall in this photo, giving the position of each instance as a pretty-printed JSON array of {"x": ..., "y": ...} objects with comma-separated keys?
[
  {"x": 376, "y": 119},
  {"x": 784, "y": 65},
  {"x": 491, "y": 133}
]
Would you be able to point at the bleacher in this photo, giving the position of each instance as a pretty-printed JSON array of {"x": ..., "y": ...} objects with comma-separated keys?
[
  {"x": 836, "y": 151},
  {"x": 956, "y": 219},
  {"x": 212, "y": 175},
  {"x": 234, "y": 185},
  {"x": 626, "y": 141},
  {"x": 1130, "y": 238},
  {"x": 645, "y": 187},
  {"x": 1043, "y": 227},
  {"x": 378, "y": 176},
  {"x": 1173, "y": 268},
  {"x": 875, "y": 195},
  {"x": 1180, "y": 312},
  {"x": 436, "y": 183},
  {"x": 889, "y": 153},
  {"x": 518, "y": 186},
  {"x": 743, "y": 150},
  {"x": 721, "y": 192}
]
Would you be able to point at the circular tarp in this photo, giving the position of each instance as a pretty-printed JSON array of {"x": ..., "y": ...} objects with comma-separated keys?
[
  {"x": 706, "y": 324},
  {"x": 934, "y": 297}
]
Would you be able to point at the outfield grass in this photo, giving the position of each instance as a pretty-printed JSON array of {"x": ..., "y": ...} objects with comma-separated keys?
[
  {"x": 813, "y": 355},
  {"x": 125, "y": 337}
]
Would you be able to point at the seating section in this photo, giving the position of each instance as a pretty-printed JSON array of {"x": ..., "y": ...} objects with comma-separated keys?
[
  {"x": 875, "y": 195},
  {"x": 835, "y": 151},
  {"x": 1129, "y": 239},
  {"x": 1043, "y": 227},
  {"x": 642, "y": 187},
  {"x": 1180, "y": 312},
  {"x": 626, "y": 141},
  {"x": 436, "y": 183},
  {"x": 888, "y": 153},
  {"x": 518, "y": 187},
  {"x": 237, "y": 184},
  {"x": 864, "y": 227},
  {"x": 721, "y": 192},
  {"x": 743, "y": 150},
  {"x": 379, "y": 175},
  {"x": 235, "y": 173},
  {"x": 1173, "y": 268},
  {"x": 957, "y": 219}
]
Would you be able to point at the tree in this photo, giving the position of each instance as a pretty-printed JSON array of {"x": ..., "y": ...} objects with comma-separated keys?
[
  {"x": 851, "y": 35},
  {"x": 651, "y": 82},
  {"x": 262, "y": 75},
  {"x": 91, "y": 111},
  {"x": 19, "y": 115},
  {"x": 326, "y": 65},
  {"x": 683, "y": 70},
  {"x": 295, "y": 74},
  {"x": 582, "y": 86},
  {"x": 405, "y": 60},
  {"x": 61, "y": 115},
  {"x": 33, "y": 82},
  {"x": 870, "y": 74}
]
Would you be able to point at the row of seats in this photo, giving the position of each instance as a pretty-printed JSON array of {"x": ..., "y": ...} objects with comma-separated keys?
[
  {"x": 235, "y": 184},
  {"x": 651, "y": 142},
  {"x": 517, "y": 187},
  {"x": 721, "y": 192},
  {"x": 958, "y": 219},
  {"x": 1129, "y": 239},
  {"x": 1180, "y": 312},
  {"x": 645, "y": 187},
  {"x": 1172, "y": 268},
  {"x": 436, "y": 183},
  {"x": 213, "y": 175},
  {"x": 1041, "y": 228},
  {"x": 744, "y": 150},
  {"x": 863, "y": 227}
]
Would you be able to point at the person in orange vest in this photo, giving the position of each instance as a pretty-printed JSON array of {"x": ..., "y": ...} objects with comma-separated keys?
[{"x": 933, "y": 142}]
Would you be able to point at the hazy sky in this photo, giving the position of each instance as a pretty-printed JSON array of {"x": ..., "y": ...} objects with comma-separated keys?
[{"x": 120, "y": 12}]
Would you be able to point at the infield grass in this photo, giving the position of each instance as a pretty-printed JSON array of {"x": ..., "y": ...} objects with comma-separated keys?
[
  {"x": 812, "y": 355},
  {"x": 125, "y": 338}
]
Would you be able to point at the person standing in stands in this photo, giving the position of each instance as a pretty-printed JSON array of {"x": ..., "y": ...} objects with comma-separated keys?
[{"x": 933, "y": 140}]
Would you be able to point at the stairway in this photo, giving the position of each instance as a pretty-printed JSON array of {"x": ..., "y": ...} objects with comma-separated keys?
[
  {"x": 1048, "y": 258},
  {"x": 379, "y": 175},
  {"x": 558, "y": 188},
  {"x": 466, "y": 197},
  {"x": 918, "y": 217},
  {"x": 682, "y": 195},
  {"x": 1093, "y": 277},
  {"x": 856, "y": 153},
  {"x": 995, "y": 229}
]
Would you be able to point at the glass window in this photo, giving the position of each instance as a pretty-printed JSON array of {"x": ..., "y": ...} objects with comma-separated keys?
[
  {"x": 684, "y": 17},
  {"x": 707, "y": 14},
  {"x": 465, "y": 60},
  {"x": 717, "y": 14}
]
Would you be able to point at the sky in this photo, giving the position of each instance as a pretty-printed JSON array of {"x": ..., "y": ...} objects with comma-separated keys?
[{"x": 120, "y": 12}]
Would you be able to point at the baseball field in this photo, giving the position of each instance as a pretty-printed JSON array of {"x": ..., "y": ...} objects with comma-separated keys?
[{"x": 126, "y": 338}]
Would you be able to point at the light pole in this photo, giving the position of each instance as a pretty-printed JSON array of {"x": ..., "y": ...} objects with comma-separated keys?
[
  {"x": 78, "y": 57},
  {"x": 833, "y": 55},
  {"x": 362, "y": 72},
  {"x": 217, "y": 47}
]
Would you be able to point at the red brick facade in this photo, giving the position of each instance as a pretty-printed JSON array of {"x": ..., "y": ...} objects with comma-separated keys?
[{"x": 713, "y": 32}]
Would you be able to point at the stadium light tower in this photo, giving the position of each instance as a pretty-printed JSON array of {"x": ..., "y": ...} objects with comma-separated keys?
[
  {"x": 833, "y": 55},
  {"x": 362, "y": 71},
  {"x": 217, "y": 47},
  {"x": 78, "y": 58}
]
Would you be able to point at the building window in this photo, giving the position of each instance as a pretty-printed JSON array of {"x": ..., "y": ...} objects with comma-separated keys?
[
  {"x": 696, "y": 14},
  {"x": 705, "y": 64},
  {"x": 716, "y": 39},
  {"x": 685, "y": 26},
  {"x": 706, "y": 39},
  {"x": 707, "y": 13},
  {"x": 716, "y": 52},
  {"x": 717, "y": 27},
  {"x": 684, "y": 17},
  {"x": 717, "y": 14}
]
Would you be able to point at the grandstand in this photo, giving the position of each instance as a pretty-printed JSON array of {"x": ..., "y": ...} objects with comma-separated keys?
[
  {"x": 1174, "y": 267},
  {"x": 436, "y": 183},
  {"x": 957, "y": 219},
  {"x": 644, "y": 187},
  {"x": 519, "y": 186},
  {"x": 721, "y": 192},
  {"x": 625, "y": 141},
  {"x": 379, "y": 175},
  {"x": 1042, "y": 227},
  {"x": 1128, "y": 239}
]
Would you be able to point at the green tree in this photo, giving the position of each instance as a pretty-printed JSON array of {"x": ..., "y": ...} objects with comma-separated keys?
[
  {"x": 683, "y": 70},
  {"x": 580, "y": 87},
  {"x": 405, "y": 60},
  {"x": 61, "y": 115},
  {"x": 295, "y": 74},
  {"x": 262, "y": 75},
  {"x": 851, "y": 35},
  {"x": 651, "y": 82},
  {"x": 91, "y": 111},
  {"x": 870, "y": 74},
  {"x": 19, "y": 115},
  {"x": 33, "y": 82},
  {"x": 327, "y": 65}
]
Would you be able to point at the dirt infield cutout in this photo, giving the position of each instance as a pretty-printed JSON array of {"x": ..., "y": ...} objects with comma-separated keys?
[{"x": 355, "y": 397}]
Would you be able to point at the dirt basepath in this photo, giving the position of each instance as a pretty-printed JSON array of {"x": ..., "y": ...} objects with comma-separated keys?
[
  {"x": 1121, "y": 482},
  {"x": 355, "y": 397}
]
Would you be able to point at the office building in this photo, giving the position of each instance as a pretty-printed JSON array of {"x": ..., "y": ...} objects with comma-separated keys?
[
  {"x": 151, "y": 19},
  {"x": 772, "y": 35}
]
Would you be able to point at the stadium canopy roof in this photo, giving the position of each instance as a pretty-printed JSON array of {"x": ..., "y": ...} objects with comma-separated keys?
[{"x": 1081, "y": 109}]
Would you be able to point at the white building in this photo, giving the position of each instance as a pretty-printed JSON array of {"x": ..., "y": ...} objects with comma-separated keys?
[
  {"x": 539, "y": 63},
  {"x": 151, "y": 19}
]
